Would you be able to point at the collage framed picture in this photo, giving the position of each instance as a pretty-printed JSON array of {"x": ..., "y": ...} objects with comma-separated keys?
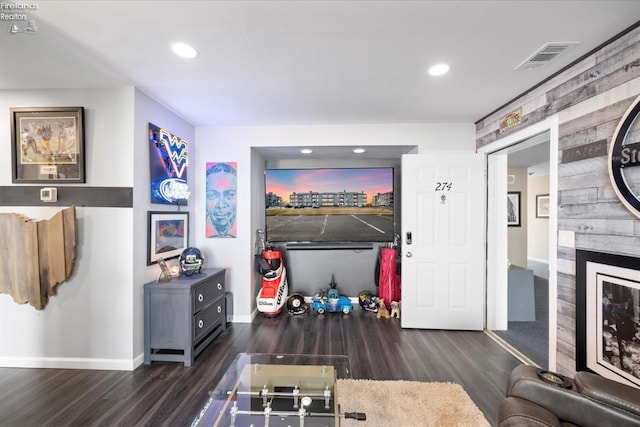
[{"x": 607, "y": 305}]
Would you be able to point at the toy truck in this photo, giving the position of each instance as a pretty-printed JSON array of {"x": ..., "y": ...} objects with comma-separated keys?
[{"x": 332, "y": 302}]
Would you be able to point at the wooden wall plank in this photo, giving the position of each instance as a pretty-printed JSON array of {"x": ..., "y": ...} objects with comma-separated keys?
[
  {"x": 605, "y": 113},
  {"x": 598, "y": 226},
  {"x": 609, "y": 243},
  {"x": 599, "y": 177},
  {"x": 579, "y": 196},
  {"x": 611, "y": 210}
]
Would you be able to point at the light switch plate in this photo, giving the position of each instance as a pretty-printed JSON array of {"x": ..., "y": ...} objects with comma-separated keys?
[{"x": 567, "y": 238}]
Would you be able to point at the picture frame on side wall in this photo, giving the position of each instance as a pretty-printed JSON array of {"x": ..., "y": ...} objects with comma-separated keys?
[
  {"x": 542, "y": 206},
  {"x": 168, "y": 235},
  {"x": 47, "y": 145},
  {"x": 607, "y": 296},
  {"x": 513, "y": 209}
]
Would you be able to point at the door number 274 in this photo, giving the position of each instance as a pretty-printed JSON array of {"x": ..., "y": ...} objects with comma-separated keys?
[{"x": 443, "y": 186}]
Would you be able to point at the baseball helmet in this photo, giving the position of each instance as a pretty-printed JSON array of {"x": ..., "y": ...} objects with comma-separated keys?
[{"x": 191, "y": 261}]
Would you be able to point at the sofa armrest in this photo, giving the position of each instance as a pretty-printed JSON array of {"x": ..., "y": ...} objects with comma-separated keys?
[
  {"x": 514, "y": 411},
  {"x": 610, "y": 393},
  {"x": 570, "y": 405}
]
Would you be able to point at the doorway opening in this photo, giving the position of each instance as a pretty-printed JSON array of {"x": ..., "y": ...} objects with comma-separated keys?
[
  {"x": 528, "y": 249},
  {"x": 505, "y": 251}
]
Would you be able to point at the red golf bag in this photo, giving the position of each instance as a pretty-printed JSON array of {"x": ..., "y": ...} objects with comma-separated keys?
[
  {"x": 389, "y": 280},
  {"x": 273, "y": 293}
]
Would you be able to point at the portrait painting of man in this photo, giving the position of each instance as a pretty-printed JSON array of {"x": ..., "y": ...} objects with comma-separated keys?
[{"x": 221, "y": 199}]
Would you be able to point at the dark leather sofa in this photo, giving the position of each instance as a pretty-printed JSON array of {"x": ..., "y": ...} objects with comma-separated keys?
[{"x": 585, "y": 400}]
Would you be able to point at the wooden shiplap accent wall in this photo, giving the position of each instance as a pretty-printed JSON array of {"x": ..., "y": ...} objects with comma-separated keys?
[{"x": 590, "y": 98}]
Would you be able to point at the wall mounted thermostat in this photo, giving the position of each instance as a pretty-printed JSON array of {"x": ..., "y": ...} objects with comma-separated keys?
[{"x": 49, "y": 194}]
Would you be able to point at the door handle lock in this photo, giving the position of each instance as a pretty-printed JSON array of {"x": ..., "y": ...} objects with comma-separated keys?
[{"x": 409, "y": 239}]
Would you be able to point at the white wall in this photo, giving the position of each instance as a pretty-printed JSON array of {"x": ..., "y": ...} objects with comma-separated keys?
[
  {"x": 88, "y": 323},
  {"x": 96, "y": 319},
  {"x": 149, "y": 111},
  {"x": 235, "y": 143},
  {"x": 538, "y": 233}
]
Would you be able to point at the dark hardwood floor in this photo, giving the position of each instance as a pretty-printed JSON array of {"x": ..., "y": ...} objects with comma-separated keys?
[{"x": 169, "y": 394}]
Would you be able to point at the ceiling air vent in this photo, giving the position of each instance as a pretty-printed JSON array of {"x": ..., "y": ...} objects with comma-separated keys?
[{"x": 544, "y": 55}]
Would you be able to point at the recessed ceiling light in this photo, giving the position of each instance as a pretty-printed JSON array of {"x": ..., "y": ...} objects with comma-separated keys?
[
  {"x": 306, "y": 151},
  {"x": 184, "y": 50},
  {"x": 359, "y": 150},
  {"x": 438, "y": 69}
]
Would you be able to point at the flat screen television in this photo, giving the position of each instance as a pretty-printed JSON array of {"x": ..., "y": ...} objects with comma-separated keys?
[{"x": 333, "y": 205}]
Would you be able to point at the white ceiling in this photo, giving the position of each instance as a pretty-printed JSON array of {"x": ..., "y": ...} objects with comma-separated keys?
[{"x": 306, "y": 62}]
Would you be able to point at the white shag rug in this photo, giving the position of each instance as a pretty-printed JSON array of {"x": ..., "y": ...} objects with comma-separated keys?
[{"x": 408, "y": 404}]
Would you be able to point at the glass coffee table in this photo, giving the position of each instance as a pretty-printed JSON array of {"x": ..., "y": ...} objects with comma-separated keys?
[{"x": 273, "y": 390}]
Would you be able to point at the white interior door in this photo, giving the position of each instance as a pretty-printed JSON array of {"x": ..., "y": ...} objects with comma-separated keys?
[{"x": 443, "y": 250}]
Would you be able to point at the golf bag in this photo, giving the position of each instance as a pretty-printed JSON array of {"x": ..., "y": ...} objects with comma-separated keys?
[
  {"x": 273, "y": 293},
  {"x": 389, "y": 283}
]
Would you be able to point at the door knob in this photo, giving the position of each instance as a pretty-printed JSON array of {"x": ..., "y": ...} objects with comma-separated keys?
[{"x": 409, "y": 254}]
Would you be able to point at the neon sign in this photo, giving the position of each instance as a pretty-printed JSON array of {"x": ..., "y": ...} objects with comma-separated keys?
[{"x": 169, "y": 161}]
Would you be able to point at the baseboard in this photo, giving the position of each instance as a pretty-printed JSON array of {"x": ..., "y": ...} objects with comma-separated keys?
[
  {"x": 69, "y": 363},
  {"x": 540, "y": 267},
  {"x": 245, "y": 319}
]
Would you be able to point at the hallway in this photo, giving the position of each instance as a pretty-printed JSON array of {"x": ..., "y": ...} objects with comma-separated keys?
[{"x": 532, "y": 338}]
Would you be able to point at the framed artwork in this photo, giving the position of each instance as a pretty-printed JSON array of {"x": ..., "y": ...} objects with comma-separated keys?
[
  {"x": 542, "y": 206},
  {"x": 513, "y": 209},
  {"x": 607, "y": 308},
  {"x": 168, "y": 235},
  {"x": 47, "y": 145},
  {"x": 221, "y": 200}
]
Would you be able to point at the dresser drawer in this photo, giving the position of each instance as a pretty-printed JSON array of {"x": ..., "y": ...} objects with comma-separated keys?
[
  {"x": 209, "y": 317},
  {"x": 209, "y": 291}
]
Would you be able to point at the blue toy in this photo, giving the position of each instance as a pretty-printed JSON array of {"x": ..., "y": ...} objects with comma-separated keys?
[{"x": 332, "y": 302}]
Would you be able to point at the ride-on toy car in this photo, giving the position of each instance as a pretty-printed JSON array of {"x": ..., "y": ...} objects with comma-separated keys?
[{"x": 332, "y": 302}]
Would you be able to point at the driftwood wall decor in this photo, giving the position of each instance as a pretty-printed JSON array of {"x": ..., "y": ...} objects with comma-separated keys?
[{"x": 36, "y": 256}]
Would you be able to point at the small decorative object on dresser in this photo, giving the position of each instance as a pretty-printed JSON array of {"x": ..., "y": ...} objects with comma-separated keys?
[{"x": 183, "y": 316}]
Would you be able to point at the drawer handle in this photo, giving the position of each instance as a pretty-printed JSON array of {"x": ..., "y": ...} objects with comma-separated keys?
[
  {"x": 200, "y": 297},
  {"x": 219, "y": 309},
  {"x": 219, "y": 286},
  {"x": 200, "y": 324}
]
